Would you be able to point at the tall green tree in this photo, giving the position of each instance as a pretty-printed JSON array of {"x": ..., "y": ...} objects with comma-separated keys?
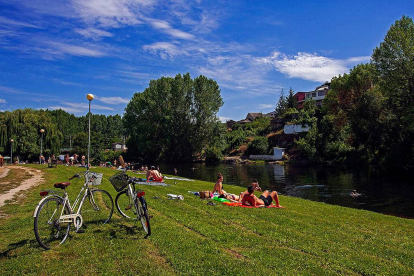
[
  {"x": 291, "y": 101},
  {"x": 281, "y": 105},
  {"x": 174, "y": 118},
  {"x": 394, "y": 62}
]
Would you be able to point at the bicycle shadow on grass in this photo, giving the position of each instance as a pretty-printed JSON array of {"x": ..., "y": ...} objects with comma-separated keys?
[
  {"x": 125, "y": 231},
  {"x": 15, "y": 246}
]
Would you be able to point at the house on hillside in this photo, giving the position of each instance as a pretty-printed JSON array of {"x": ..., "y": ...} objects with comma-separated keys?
[
  {"x": 318, "y": 95},
  {"x": 253, "y": 116},
  {"x": 230, "y": 123},
  {"x": 118, "y": 147},
  {"x": 270, "y": 114}
]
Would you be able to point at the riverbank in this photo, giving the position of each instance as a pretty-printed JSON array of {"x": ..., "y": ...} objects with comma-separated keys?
[{"x": 191, "y": 237}]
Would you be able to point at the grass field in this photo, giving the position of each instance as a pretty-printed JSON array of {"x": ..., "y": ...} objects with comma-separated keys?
[{"x": 192, "y": 238}]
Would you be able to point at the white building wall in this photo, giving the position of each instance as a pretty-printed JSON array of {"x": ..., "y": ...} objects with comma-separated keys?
[
  {"x": 293, "y": 129},
  {"x": 277, "y": 155}
]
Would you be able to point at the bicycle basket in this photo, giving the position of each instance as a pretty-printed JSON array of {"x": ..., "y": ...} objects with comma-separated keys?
[
  {"x": 119, "y": 181},
  {"x": 94, "y": 178}
]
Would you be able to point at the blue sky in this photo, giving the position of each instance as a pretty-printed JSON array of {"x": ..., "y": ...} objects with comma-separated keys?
[{"x": 53, "y": 53}]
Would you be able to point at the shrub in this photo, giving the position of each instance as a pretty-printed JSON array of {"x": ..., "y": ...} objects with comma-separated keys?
[{"x": 258, "y": 146}]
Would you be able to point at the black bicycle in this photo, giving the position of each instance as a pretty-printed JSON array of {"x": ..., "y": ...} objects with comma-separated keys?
[{"x": 130, "y": 203}]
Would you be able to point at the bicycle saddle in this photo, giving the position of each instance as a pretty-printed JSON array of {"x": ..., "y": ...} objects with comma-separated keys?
[{"x": 62, "y": 185}]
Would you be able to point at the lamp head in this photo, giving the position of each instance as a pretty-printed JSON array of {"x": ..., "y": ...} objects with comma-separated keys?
[
  {"x": 42, "y": 130},
  {"x": 11, "y": 140},
  {"x": 90, "y": 97}
]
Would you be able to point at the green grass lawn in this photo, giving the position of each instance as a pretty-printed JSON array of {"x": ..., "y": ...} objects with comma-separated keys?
[{"x": 191, "y": 237}]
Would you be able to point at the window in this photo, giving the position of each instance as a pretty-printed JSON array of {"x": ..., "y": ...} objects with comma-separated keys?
[
  {"x": 307, "y": 96},
  {"x": 313, "y": 94},
  {"x": 321, "y": 93}
]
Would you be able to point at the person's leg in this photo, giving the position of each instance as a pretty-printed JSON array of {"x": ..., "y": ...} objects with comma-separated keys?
[{"x": 275, "y": 196}]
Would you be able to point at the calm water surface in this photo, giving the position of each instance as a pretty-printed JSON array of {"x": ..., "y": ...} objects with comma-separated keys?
[{"x": 384, "y": 191}]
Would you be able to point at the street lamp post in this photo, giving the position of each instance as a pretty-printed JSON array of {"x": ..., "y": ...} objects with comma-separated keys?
[
  {"x": 11, "y": 151},
  {"x": 41, "y": 146},
  {"x": 90, "y": 97}
]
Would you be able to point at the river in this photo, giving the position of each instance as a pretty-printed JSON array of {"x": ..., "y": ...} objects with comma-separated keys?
[{"x": 381, "y": 190}]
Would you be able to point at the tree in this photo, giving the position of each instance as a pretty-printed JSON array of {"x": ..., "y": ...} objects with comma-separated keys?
[
  {"x": 281, "y": 105},
  {"x": 174, "y": 118},
  {"x": 291, "y": 101},
  {"x": 394, "y": 62}
]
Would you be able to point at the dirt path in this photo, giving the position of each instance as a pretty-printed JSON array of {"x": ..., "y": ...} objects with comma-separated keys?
[
  {"x": 4, "y": 172},
  {"x": 35, "y": 179}
]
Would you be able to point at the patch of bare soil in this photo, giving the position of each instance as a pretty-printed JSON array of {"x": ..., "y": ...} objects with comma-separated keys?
[
  {"x": 4, "y": 172},
  {"x": 36, "y": 177}
]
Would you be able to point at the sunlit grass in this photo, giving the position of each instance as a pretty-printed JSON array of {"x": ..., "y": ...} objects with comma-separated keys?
[{"x": 190, "y": 237}]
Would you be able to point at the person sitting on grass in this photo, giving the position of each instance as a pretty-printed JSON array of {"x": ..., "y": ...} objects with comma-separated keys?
[
  {"x": 265, "y": 199},
  {"x": 256, "y": 187},
  {"x": 154, "y": 175},
  {"x": 218, "y": 187}
]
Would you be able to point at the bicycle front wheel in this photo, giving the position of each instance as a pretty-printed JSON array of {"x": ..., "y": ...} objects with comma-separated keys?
[
  {"x": 48, "y": 230},
  {"x": 143, "y": 215},
  {"x": 97, "y": 207},
  {"x": 124, "y": 205}
]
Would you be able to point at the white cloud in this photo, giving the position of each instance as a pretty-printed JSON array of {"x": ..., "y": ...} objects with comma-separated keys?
[
  {"x": 93, "y": 33},
  {"x": 110, "y": 13},
  {"x": 113, "y": 100},
  {"x": 2, "y": 101},
  {"x": 10, "y": 90},
  {"x": 308, "y": 66},
  {"x": 61, "y": 49},
  {"x": 166, "y": 28},
  {"x": 79, "y": 107},
  {"x": 358, "y": 59},
  {"x": 8, "y": 21},
  {"x": 85, "y": 106},
  {"x": 224, "y": 119},
  {"x": 266, "y": 106},
  {"x": 238, "y": 72},
  {"x": 164, "y": 49}
]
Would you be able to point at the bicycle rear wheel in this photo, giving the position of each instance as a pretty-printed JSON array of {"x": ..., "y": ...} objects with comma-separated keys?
[
  {"x": 125, "y": 206},
  {"x": 142, "y": 215},
  {"x": 48, "y": 230},
  {"x": 97, "y": 207}
]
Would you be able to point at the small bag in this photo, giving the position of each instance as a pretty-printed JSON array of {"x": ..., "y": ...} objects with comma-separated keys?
[{"x": 205, "y": 194}]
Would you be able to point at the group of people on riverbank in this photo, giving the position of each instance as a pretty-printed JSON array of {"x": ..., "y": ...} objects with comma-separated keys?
[{"x": 247, "y": 197}]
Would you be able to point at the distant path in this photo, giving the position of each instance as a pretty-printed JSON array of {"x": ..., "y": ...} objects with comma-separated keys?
[
  {"x": 35, "y": 179},
  {"x": 4, "y": 172}
]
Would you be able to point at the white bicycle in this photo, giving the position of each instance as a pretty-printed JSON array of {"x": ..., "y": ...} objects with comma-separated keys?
[{"x": 54, "y": 214}]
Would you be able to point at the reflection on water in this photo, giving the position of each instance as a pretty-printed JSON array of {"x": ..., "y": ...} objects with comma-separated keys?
[{"x": 385, "y": 191}]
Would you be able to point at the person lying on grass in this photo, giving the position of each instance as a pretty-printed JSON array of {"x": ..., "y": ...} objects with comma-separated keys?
[
  {"x": 265, "y": 199},
  {"x": 238, "y": 198},
  {"x": 154, "y": 175}
]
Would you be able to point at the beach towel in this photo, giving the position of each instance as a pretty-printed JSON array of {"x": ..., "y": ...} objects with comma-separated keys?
[
  {"x": 151, "y": 183},
  {"x": 238, "y": 204},
  {"x": 178, "y": 178}
]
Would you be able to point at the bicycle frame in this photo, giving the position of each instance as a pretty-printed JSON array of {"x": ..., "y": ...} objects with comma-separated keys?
[{"x": 72, "y": 217}]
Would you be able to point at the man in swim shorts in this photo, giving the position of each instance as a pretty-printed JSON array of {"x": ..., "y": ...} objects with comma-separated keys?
[{"x": 265, "y": 199}]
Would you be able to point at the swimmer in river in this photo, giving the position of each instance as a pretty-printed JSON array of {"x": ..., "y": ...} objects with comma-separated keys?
[{"x": 354, "y": 193}]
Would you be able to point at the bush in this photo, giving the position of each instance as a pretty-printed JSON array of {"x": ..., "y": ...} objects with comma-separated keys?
[
  {"x": 213, "y": 154},
  {"x": 258, "y": 146}
]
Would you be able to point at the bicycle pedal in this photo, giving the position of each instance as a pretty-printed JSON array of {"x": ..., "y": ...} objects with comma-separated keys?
[
  {"x": 128, "y": 208},
  {"x": 150, "y": 217},
  {"x": 80, "y": 231}
]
